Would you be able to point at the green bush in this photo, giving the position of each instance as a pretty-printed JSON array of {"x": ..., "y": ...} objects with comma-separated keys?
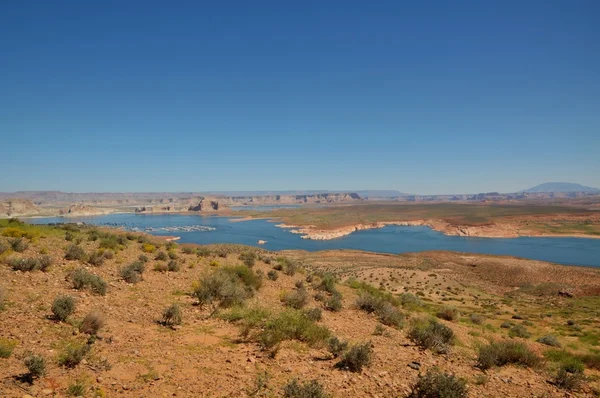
[
  {"x": 133, "y": 272},
  {"x": 92, "y": 323},
  {"x": 569, "y": 378},
  {"x": 31, "y": 264},
  {"x": 188, "y": 250},
  {"x": 173, "y": 266},
  {"x": 82, "y": 279},
  {"x": 448, "y": 313},
  {"x": 370, "y": 290},
  {"x": 435, "y": 384},
  {"x": 333, "y": 303},
  {"x": 36, "y": 365},
  {"x": 72, "y": 354},
  {"x": 357, "y": 357},
  {"x": 292, "y": 325},
  {"x": 203, "y": 252},
  {"x": 109, "y": 243},
  {"x": 502, "y": 353},
  {"x": 296, "y": 299},
  {"x": 227, "y": 286},
  {"x": 6, "y": 347},
  {"x": 171, "y": 315},
  {"x": 172, "y": 255},
  {"x": 549, "y": 340},
  {"x": 77, "y": 389},
  {"x": 328, "y": 283},
  {"x": 161, "y": 267},
  {"x": 18, "y": 245},
  {"x": 409, "y": 300},
  {"x": 519, "y": 331},
  {"x": 432, "y": 335},
  {"x": 477, "y": 319},
  {"x": 336, "y": 346},
  {"x": 309, "y": 389},
  {"x": 383, "y": 309},
  {"x": 75, "y": 252},
  {"x": 96, "y": 258},
  {"x": 3, "y": 248},
  {"x": 161, "y": 256},
  {"x": 314, "y": 314},
  {"x": 63, "y": 307},
  {"x": 272, "y": 275},
  {"x": 143, "y": 258}
]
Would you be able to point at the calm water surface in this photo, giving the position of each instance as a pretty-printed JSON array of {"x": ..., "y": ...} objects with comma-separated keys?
[{"x": 390, "y": 239}]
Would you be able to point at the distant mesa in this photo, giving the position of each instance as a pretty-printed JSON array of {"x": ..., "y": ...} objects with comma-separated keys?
[
  {"x": 81, "y": 209},
  {"x": 18, "y": 207},
  {"x": 561, "y": 187}
]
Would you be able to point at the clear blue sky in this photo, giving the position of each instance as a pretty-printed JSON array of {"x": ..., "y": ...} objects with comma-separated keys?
[{"x": 421, "y": 96}]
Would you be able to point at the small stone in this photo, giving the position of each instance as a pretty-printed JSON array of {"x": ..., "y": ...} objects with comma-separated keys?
[
  {"x": 414, "y": 365},
  {"x": 47, "y": 391}
]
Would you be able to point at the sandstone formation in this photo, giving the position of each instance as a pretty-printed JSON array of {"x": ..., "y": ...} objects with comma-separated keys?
[
  {"x": 80, "y": 209},
  {"x": 18, "y": 207}
]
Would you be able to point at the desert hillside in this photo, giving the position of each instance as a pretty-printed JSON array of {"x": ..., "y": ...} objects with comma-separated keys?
[{"x": 102, "y": 313}]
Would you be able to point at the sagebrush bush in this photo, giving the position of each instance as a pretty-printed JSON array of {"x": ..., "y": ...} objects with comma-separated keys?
[
  {"x": 248, "y": 258},
  {"x": 203, "y": 252},
  {"x": 96, "y": 258},
  {"x": 336, "y": 346},
  {"x": 432, "y": 335},
  {"x": 31, "y": 264},
  {"x": 502, "y": 353},
  {"x": 92, "y": 323},
  {"x": 77, "y": 389},
  {"x": 161, "y": 267},
  {"x": 568, "y": 378},
  {"x": 18, "y": 245},
  {"x": 327, "y": 283},
  {"x": 227, "y": 286},
  {"x": 435, "y": 384},
  {"x": 314, "y": 314},
  {"x": 291, "y": 325},
  {"x": 171, "y": 316},
  {"x": 272, "y": 275},
  {"x": 309, "y": 389},
  {"x": 72, "y": 354},
  {"x": 383, "y": 309},
  {"x": 355, "y": 358},
  {"x": 296, "y": 299},
  {"x": 2, "y": 297},
  {"x": 448, "y": 314},
  {"x": 63, "y": 307},
  {"x": 172, "y": 255},
  {"x": 188, "y": 250},
  {"x": 3, "y": 248},
  {"x": 173, "y": 266},
  {"x": 477, "y": 319},
  {"x": 143, "y": 258},
  {"x": 109, "y": 243},
  {"x": 36, "y": 365},
  {"x": 132, "y": 273},
  {"x": 75, "y": 252},
  {"x": 333, "y": 303},
  {"x": 409, "y": 300},
  {"x": 82, "y": 279},
  {"x": 6, "y": 347}
]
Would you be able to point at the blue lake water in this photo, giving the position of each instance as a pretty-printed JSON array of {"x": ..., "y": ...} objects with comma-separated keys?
[{"x": 390, "y": 239}]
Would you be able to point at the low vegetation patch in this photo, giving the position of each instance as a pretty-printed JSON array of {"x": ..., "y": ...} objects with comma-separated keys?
[
  {"x": 6, "y": 347},
  {"x": 355, "y": 358},
  {"x": 248, "y": 258},
  {"x": 448, "y": 314},
  {"x": 133, "y": 272},
  {"x": 382, "y": 308},
  {"x": 519, "y": 331},
  {"x": 436, "y": 384},
  {"x": 228, "y": 286},
  {"x": 172, "y": 315},
  {"x": 308, "y": 389},
  {"x": 18, "y": 245},
  {"x": 336, "y": 346},
  {"x": 72, "y": 354},
  {"x": 295, "y": 299},
  {"x": 36, "y": 366},
  {"x": 82, "y": 279},
  {"x": 432, "y": 335},
  {"x": 92, "y": 323},
  {"x": 75, "y": 252},
  {"x": 502, "y": 353},
  {"x": 63, "y": 307},
  {"x": 41, "y": 263},
  {"x": 549, "y": 340}
]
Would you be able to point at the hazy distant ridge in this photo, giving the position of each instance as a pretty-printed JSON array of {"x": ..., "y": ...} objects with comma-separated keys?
[{"x": 560, "y": 187}]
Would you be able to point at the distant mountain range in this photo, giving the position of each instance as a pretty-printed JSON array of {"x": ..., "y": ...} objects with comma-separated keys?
[{"x": 560, "y": 187}]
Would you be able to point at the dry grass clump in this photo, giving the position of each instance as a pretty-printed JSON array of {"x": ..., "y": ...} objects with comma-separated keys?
[
  {"x": 291, "y": 325},
  {"x": 171, "y": 316},
  {"x": 133, "y": 272},
  {"x": 73, "y": 353},
  {"x": 75, "y": 252},
  {"x": 502, "y": 353},
  {"x": 336, "y": 346},
  {"x": 92, "y": 323},
  {"x": 383, "y": 309},
  {"x": 308, "y": 389},
  {"x": 83, "y": 279},
  {"x": 296, "y": 299},
  {"x": 41, "y": 263},
  {"x": 448, "y": 314},
  {"x": 355, "y": 358},
  {"x": 6, "y": 347}
]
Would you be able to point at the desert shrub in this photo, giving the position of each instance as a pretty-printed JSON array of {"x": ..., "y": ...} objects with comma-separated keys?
[
  {"x": 502, "y": 353},
  {"x": 173, "y": 266},
  {"x": 172, "y": 255},
  {"x": 355, "y": 358},
  {"x": 591, "y": 360},
  {"x": 18, "y": 245},
  {"x": 161, "y": 267},
  {"x": 227, "y": 286},
  {"x": 291, "y": 325},
  {"x": 448, "y": 313},
  {"x": 368, "y": 303},
  {"x": 171, "y": 315},
  {"x": 3, "y": 248},
  {"x": 161, "y": 256},
  {"x": 148, "y": 248},
  {"x": 63, "y": 307},
  {"x": 143, "y": 258},
  {"x": 506, "y": 325},
  {"x": 296, "y": 299},
  {"x": 568, "y": 377},
  {"x": 379, "y": 330},
  {"x": 333, "y": 303},
  {"x": 96, "y": 258},
  {"x": 69, "y": 236},
  {"x": 82, "y": 279},
  {"x": 6, "y": 347},
  {"x": 92, "y": 323},
  {"x": 409, "y": 300},
  {"x": 336, "y": 346},
  {"x": 109, "y": 254},
  {"x": 477, "y": 319},
  {"x": 309, "y": 389},
  {"x": 390, "y": 316},
  {"x": 272, "y": 275},
  {"x": 248, "y": 258},
  {"x": 435, "y": 384},
  {"x": 432, "y": 335},
  {"x": 188, "y": 250},
  {"x": 109, "y": 243},
  {"x": 299, "y": 284},
  {"x": 365, "y": 288},
  {"x": 327, "y": 283},
  {"x": 549, "y": 340},
  {"x": 75, "y": 252},
  {"x": 36, "y": 366},
  {"x": 519, "y": 331},
  {"x": 314, "y": 314},
  {"x": 2, "y": 297},
  {"x": 203, "y": 252},
  {"x": 72, "y": 354},
  {"x": 133, "y": 272},
  {"x": 24, "y": 264},
  {"x": 77, "y": 389}
]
